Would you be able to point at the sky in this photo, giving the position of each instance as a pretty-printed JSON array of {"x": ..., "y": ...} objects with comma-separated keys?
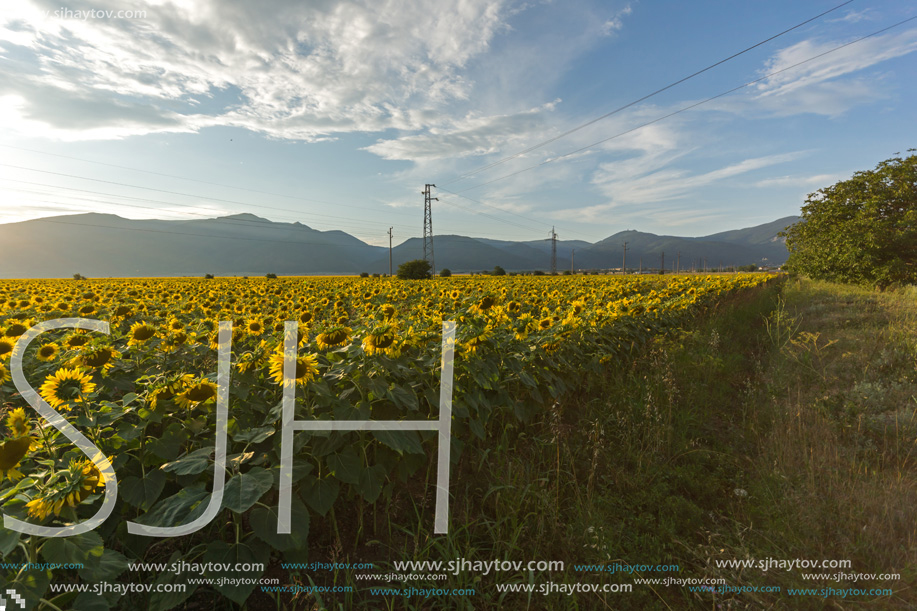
[{"x": 336, "y": 114}]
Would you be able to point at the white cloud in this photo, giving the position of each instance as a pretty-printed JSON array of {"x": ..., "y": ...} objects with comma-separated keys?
[
  {"x": 645, "y": 180},
  {"x": 616, "y": 22},
  {"x": 817, "y": 181},
  {"x": 470, "y": 136},
  {"x": 291, "y": 69}
]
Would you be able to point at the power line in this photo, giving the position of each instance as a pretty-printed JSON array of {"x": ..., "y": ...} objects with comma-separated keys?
[
  {"x": 642, "y": 99},
  {"x": 689, "y": 107},
  {"x": 501, "y": 210}
]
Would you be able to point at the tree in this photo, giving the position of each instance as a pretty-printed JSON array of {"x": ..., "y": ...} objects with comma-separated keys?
[
  {"x": 445, "y": 272},
  {"x": 270, "y": 276},
  {"x": 862, "y": 230},
  {"x": 418, "y": 269},
  {"x": 498, "y": 271}
]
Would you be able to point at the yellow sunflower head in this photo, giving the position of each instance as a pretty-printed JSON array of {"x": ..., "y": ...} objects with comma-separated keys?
[
  {"x": 387, "y": 310},
  {"x": 73, "y": 486},
  {"x": 76, "y": 340},
  {"x": 4, "y": 373},
  {"x": 6, "y": 347},
  {"x": 98, "y": 357},
  {"x": 197, "y": 392},
  {"x": 18, "y": 424},
  {"x": 338, "y": 335},
  {"x": 306, "y": 368},
  {"x": 11, "y": 452},
  {"x": 381, "y": 340},
  {"x": 66, "y": 387},
  {"x": 47, "y": 352},
  {"x": 140, "y": 332}
]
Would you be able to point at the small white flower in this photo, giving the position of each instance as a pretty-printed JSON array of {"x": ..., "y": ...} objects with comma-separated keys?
[{"x": 740, "y": 493}]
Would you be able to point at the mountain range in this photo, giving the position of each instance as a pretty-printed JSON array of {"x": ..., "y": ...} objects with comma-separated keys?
[{"x": 106, "y": 245}]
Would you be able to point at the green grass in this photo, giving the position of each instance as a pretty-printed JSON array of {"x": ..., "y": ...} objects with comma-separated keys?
[{"x": 780, "y": 424}]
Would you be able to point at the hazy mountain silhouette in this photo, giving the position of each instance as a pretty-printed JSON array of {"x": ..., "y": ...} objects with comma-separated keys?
[{"x": 101, "y": 245}]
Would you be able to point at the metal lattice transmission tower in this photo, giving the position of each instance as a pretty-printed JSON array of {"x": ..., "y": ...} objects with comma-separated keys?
[{"x": 428, "y": 227}]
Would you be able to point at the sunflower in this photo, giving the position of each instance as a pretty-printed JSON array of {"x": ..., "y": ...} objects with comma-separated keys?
[
  {"x": 65, "y": 387},
  {"x": 196, "y": 393},
  {"x": 338, "y": 335},
  {"x": 16, "y": 329},
  {"x": 140, "y": 332},
  {"x": 169, "y": 389},
  {"x": 14, "y": 449},
  {"x": 6, "y": 347},
  {"x": 76, "y": 340},
  {"x": 73, "y": 485},
  {"x": 524, "y": 325},
  {"x": 254, "y": 327},
  {"x": 306, "y": 367},
  {"x": 17, "y": 423},
  {"x": 48, "y": 352},
  {"x": 381, "y": 340},
  {"x": 97, "y": 357},
  {"x": 387, "y": 310},
  {"x": 11, "y": 452},
  {"x": 4, "y": 373}
]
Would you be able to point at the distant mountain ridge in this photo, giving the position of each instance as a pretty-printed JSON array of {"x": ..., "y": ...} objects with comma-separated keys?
[{"x": 102, "y": 245}]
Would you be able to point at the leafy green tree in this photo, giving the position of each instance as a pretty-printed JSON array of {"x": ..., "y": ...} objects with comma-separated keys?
[
  {"x": 498, "y": 271},
  {"x": 445, "y": 272},
  {"x": 418, "y": 269},
  {"x": 862, "y": 230}
]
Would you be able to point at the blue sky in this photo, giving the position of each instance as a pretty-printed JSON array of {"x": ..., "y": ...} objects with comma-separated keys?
[{"x": 335, "y": 114}]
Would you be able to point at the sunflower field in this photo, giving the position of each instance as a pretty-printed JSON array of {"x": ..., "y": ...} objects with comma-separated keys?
[{"x": 369, "y": 349}]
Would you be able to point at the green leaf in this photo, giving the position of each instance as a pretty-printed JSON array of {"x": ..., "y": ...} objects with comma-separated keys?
[
  {"x": 191, "y": 463},
  {"x": 245, "y": 489},
  {"x": 404, "y": 398},
  {"x": 371, "y": 480},
  {"x": 32, "y": 585},
  {"x": 400, "y": 441},
  {"x": 177, "y": 509},
  {"x": 8, "y": 540},
  {"x": 263, "y": 521},
  {"x": 163, "y": 601},
  {"x": 255, "y": 435},
  {"x": 246, "y": 553},
  {"x": 90, "y": 601},
  {"x": 169, "y": 444},
  {"x": 346, "y": 467},
  {"x": 321, "y": 494},
  {"x": 142, "y": 492},
  {"x": 110, "y": 565},
  {"x": 128, "y": 399},
  {"x": 78, "y": 549}
]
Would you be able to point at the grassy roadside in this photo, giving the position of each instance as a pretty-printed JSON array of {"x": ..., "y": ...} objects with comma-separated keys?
[{"x": 778, "y": 425}]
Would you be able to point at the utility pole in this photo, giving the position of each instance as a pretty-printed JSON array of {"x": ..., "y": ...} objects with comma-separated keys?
[
  {"x": 641, "y": 265},
  {"x": 572, "y": 254},
  {"x": 428, "y": 226},
  {"x": 553, "y": 251},
  {"x": 389, "y": 252},
  {"x": 678, "y": 264},
  {"x": 624, "y": 266},
  {"x": 662, "y": 265}
]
